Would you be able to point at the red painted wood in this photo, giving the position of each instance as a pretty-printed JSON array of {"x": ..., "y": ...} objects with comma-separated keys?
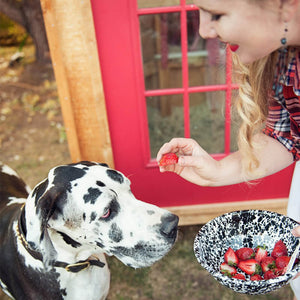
[{"x": 118, "y": 38}]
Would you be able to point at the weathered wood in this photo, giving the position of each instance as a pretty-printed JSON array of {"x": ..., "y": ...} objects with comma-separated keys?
[
  {"x": 72, "y": 41},
  {"x": 202, "y": 213}
]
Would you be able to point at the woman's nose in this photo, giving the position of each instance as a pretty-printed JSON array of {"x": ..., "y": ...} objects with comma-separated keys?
[{"x": 206, "y": 27}]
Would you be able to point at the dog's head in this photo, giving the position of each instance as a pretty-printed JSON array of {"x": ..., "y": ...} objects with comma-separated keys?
[{"x": 91, "y": 208}]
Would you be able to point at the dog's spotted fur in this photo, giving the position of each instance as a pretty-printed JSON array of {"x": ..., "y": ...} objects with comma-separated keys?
[{"x": 78, "y": 213}]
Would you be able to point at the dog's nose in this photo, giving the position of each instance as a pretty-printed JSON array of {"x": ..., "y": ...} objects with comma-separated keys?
[{"x": 169, "y": 225}]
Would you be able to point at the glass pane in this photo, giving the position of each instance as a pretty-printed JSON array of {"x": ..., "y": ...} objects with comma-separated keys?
[
  {"x": 235, "y": 125},
  {"x": 165, "y": 120},
  {"x": 157, "y": 3},
  {"x": 161, "y": 50},
  {"x": 206, "y": 58},
  {"x": 207, "y": 120}
]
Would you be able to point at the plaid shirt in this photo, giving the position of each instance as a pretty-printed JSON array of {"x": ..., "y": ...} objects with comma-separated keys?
[{"x": 283, "y": 122}]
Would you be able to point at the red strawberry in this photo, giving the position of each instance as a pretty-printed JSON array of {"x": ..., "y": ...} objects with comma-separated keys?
[
  {"x": 278, "y": 272},
  {"x": 267, "y": 264},
  {"x": 227, "y": 270},
  {"x": 260, "y": 253},
  {"x": 230, "y": 257},
  {"x": 279, "y": 249},
  {"x": 282, "y": 262},
  {"x": 239, "y": 276},
  {"x": 168, "y": 159},
  {"x": 250, "y": 266},
  {"x": 245, "y": 253},
  {"x": 255, "y": 277},
  {"x": 270, "y": 275}
]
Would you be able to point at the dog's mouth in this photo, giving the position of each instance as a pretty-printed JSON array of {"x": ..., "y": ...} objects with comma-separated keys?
[{"x": 142, "y": 254}]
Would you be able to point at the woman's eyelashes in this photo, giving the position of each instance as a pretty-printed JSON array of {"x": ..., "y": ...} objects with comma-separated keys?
[{"x": 216, "y": 17}]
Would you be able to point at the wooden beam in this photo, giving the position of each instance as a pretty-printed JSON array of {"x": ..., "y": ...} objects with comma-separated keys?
[
  {"x": 201, "y": 214},
  {"x": 72, "y": 42}
]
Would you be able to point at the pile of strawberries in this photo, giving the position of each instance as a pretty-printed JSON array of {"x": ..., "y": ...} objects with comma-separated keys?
[{"x": 257, "y": 263}]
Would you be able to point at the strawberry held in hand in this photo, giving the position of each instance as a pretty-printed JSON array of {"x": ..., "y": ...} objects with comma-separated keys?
[{"x": 168, "y": 159}]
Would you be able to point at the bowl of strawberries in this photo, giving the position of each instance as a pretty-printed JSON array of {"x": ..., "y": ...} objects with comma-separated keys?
[{"x": 248, "y": 251}]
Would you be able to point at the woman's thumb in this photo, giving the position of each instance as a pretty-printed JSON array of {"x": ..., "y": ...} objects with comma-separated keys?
[{"x": 296, "y": 231}]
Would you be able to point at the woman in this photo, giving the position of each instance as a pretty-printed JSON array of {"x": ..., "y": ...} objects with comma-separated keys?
[{"x": 264, "y": 36}]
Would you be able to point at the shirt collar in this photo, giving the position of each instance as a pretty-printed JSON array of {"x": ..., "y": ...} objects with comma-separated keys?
[{"x": 292, "y": 75}]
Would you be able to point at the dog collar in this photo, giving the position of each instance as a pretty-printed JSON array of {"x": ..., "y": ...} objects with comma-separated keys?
[{"x": 74, "y": 268}]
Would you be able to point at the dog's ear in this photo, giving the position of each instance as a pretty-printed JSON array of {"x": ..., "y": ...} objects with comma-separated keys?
[{"x": 37, "y": 227}]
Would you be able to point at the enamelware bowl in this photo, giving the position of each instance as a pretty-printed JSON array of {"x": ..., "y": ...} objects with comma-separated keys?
[{"x": 246, "y": 228}]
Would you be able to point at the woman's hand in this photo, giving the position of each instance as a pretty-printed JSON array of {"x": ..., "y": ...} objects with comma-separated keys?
[
  {"x": 197, "y": 166},
  {"x": 296, "y": 232},
  {"x": 194, "y": 163}
]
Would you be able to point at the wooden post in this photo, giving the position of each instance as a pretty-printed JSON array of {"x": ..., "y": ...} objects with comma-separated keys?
[{"x": 72, "y": 41}]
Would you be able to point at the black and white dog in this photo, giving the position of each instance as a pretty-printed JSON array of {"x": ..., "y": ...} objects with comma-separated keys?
[{"x": 53, "y": 239}]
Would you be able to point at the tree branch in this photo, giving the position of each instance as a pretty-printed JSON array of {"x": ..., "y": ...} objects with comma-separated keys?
[{"x": 11, "y": 8}]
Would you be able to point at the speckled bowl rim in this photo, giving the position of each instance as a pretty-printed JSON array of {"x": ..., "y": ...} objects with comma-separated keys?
[{"x": 272, "y": 284}]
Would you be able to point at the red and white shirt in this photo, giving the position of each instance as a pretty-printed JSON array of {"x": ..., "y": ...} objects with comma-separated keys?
[{"x": 283, "y": 122}]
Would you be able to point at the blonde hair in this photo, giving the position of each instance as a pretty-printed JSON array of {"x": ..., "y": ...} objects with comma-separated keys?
[{"x": 255, "y": 85}]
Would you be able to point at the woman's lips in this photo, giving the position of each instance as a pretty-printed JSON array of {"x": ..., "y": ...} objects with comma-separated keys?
[{"x": 233, "y": 48}]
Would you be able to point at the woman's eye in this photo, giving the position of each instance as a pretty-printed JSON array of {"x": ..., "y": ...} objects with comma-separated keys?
[
  {"x": 106, "y": 214},
  {"x": 216, "y": 17}
]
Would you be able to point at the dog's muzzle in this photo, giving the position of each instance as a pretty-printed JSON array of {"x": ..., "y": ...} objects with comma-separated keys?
[{"x": 169, "y": 226}]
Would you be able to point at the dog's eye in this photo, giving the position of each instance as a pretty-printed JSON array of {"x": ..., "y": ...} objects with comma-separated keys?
[{"x": 106, "y": 214}]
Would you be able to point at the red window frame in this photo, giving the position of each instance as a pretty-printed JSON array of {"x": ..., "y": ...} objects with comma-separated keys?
[{"x": 183, "y": 8}]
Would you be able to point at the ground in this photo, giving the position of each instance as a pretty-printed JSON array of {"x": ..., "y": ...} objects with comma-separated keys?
[
  {"x": 32, "y": 137},
  {"x": 32, "y": 140}
]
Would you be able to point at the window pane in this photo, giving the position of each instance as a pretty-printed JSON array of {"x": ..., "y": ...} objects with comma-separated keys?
[
  {"x": 207, "y": 120},
  {"x": 165, "y": 120},
  {"x": 206, "y": 58},
  {"x": 235, "y": 125},
  {"x": 161, "y": 50},
  {"x": 157, "y": 3}
]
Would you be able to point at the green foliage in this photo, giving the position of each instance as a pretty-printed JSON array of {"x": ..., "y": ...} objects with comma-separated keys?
[{"x": 12, "y": 33}]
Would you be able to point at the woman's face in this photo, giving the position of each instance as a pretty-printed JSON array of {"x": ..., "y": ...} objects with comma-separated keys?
[{"x": 251, "y": 29}]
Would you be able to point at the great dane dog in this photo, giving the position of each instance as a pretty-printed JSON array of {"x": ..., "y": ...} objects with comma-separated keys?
[{"x": 53, "y": 240}]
